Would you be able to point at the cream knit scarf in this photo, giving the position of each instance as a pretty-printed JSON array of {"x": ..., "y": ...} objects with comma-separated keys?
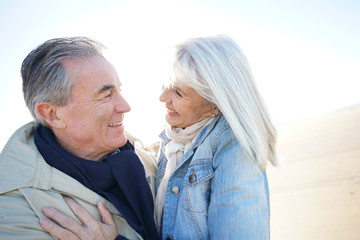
[{"x": 180, "y": 142}]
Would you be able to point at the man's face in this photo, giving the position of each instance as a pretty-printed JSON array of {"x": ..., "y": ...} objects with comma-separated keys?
[{"x": 94, "y": 116}]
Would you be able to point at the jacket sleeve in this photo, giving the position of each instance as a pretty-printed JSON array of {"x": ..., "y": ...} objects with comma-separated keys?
[
  {"x": 17, "y": 219},
  {"x": 238, "y": 206}
]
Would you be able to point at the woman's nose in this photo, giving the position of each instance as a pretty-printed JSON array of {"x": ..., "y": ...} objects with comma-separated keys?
[{"x": 164, "y": 96}]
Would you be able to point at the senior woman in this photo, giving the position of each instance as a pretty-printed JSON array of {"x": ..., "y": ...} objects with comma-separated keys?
[{"x": 211, "y": 178}]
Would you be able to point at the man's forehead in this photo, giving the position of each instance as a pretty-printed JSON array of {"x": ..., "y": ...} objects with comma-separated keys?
[
  {"x": 73, "y": 65},
  {"x": 96, "y": 71},
  {"x": 75, "y": 61}
]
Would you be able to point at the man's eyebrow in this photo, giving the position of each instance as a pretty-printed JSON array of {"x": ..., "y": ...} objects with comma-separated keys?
[{"x": 105, "y": 88}]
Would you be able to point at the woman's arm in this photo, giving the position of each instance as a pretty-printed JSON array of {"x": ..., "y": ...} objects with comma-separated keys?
[
  {"x": 66, "y": 228},
  {"x": 238, "y": 206}
]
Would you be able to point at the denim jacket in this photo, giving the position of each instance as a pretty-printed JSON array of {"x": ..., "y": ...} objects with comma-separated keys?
[{"x": 215, "y": 192}]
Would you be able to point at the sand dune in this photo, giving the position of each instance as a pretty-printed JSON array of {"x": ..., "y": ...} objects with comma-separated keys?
[{"x": 315, "y": 193}]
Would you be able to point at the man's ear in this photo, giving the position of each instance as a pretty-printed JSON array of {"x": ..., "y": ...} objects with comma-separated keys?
[{"x": 49, "y": 113}]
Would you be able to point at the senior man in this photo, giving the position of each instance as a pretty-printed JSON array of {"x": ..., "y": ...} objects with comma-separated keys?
[{"x": 76, "y": 147}]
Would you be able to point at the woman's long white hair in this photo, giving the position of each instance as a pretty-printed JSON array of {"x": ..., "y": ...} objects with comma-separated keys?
[{"x": 216, "y": 68}]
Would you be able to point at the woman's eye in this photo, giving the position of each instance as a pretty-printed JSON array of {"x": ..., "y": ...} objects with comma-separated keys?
[{"x": 177, "y": 92}]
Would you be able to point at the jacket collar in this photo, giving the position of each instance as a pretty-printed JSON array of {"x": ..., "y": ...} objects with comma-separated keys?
[
  {"x": 22, "y": 166},
  {"x": 206, "y": 131},
  {"x": 200, "y": 139}
]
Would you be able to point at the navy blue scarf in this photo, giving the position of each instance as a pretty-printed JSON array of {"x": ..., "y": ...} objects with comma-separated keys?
[{"x": 120, "y": 178}]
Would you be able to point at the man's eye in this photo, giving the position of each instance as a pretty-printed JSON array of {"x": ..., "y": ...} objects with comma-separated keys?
[{"x": 109, "y": 95}]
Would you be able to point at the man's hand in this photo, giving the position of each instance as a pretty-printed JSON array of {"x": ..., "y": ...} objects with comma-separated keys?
[{"x": 66, "y": 228}]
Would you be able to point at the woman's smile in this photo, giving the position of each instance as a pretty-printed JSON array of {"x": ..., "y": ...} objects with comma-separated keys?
[{"x": 172, "y": 113}]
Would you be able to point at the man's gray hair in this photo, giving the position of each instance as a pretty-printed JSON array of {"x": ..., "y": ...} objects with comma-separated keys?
[{"x": 44, "y": 77}]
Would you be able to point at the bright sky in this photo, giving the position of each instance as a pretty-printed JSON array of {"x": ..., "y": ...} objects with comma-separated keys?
[{"x": 305, "y": 54}]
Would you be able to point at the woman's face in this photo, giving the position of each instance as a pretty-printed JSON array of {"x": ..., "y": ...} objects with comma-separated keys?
[{"x": 184, "y": 106}]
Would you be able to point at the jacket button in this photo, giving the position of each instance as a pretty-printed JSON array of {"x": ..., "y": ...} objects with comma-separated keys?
[
  {"x": 168, "y": 237},
  {"x": 192, "y": 177},
  {"x": 175, "y": 190}
]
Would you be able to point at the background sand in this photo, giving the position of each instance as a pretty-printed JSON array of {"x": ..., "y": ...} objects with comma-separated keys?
[{"x": 315, "y": 193}]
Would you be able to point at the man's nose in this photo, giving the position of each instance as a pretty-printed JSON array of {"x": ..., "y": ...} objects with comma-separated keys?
[{"x": 122, "y": 105}]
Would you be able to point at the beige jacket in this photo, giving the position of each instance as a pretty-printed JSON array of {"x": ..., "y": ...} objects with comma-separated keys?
[{"x": 28, "y": 184}]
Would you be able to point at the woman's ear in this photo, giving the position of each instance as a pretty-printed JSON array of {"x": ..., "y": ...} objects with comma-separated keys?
[{"x": 49, "y": 113}]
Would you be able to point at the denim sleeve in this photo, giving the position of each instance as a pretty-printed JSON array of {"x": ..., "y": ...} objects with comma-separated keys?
[{"x": 238, "y": 206}]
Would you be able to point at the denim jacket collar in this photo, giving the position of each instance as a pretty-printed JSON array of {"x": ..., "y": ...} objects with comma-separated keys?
[{"x": 200, "y": 138}]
